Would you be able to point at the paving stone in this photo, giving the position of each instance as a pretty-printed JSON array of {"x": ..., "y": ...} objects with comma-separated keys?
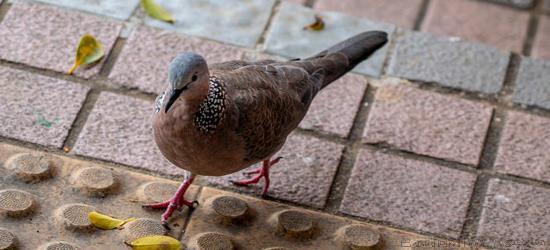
[
  {"x": 36, "y": 108},
  {"x": 523, "y": 148},
  {"x": 450, "y": 62},
  {"x": 143, "y": 63},
  {"x": 515, "y": 216},
  {"x": 119, "y": 129},
  {"x": 333, "y": 109},
  {"x": 46, "y": 37},
  {"x": 495, "y": 25},
  {"x": 408, "y": 193},
  {"x": 547, "y": 5},
  {"x": 541, "y": 45},
  {"x": 239, "y": 22},
  {"x": 533, "y": 83},
  {"x": 428, "y": 123},
  {"x": 303, "y": 176},
  {"x": 111, "y": 8},
  {"x": 523, "y": 4},
  {"x": 287, "y": 37},
  {"x": 400, "y": 13}
]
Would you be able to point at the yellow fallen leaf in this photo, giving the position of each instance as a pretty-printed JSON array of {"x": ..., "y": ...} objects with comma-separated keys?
[
  {"x": 88, "y": 51},
  {"x": 156, "y": 11},
  {"x": 318, "y": 25},
  {"x": 155, "y": 242},
  {"x": 106, "y": 222}
]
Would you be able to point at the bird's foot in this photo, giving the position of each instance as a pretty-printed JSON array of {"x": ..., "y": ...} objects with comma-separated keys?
[
  {"x": 176, "y": 202},
  {"x": 260, "y": 172}
]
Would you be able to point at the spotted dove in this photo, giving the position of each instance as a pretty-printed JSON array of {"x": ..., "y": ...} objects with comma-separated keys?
[{"x": 220, "y": 118}]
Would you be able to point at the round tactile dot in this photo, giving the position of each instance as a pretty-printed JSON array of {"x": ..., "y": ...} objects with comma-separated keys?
[
  {"x": 295, "y": 223},
  {"x": 212, "y": 241},
  {"x": 7, "y": 240},
  {"x": 154, "y": 192},
  {"x": 16, "y": 203},
  {"x": 95, "y": 181},
  {"x": 30, "y": 167},
  {"x": 360, "y": 237},
  {"x": 142, "y": 227},
  {"x": 58, "y": 245},
  {"x": 229, "y": 207},
  {"x": 75, "y": 216}
]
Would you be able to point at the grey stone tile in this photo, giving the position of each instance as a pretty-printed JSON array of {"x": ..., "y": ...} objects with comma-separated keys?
[
  {"x": 450, "y": 62},
  {"x": 287, "y": 37},
  {"x": 408, "y": 193},
  {"x": 239, "y": 22},
  {"x": 36, "y": 108},
  {"x": 515, "y": 216},
  {"x": 111, "y": 8},
  {"x": 533, "y": 83}
]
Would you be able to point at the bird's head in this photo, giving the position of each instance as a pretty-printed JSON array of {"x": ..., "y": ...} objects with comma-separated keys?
[{"x": 188, "y": 73}]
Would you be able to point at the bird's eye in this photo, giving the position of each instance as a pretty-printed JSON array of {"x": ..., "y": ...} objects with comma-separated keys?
[{"x": 194, "y": 78}]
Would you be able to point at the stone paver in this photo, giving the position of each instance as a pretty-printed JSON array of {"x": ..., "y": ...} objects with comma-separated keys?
[
  {"x": 523, "y": 148},
  {"x": 238, "y": 22},
  {"x": 303, "y": 176},
  {"x": 333, "y": 109},
  {"x": 398, "y": 12},
  {"x": 116, "y": 9},
  {"x": 499, "y": 26},
  {"x": 450, "y": 62},
  {"x": 46, "y": 37},
  {"x": 427, "y": 123},
  {"x": 143, "y": 63},
  {"x": 533, "y": 83},
  {"x": 515, "y": 214},
  {"x": 547, "y": 6},
  {"x": 119, "y": 129},
  {"x": 541, "y": 45},
  {"x": 523, "y": 4},
  {"x": 287, "y": 37},
  {"x": 408, "y": 193},
  {"x": 36, "y": 108}
]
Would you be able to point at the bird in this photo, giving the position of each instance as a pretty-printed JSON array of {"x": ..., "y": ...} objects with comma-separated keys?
[{"x": 217, "y": 119}]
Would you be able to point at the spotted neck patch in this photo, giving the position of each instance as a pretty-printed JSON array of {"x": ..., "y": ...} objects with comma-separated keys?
[{"x": 212, "y": 109}]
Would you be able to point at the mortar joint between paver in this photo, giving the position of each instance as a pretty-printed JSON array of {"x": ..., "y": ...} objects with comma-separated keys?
[
  {"x": 112, "y": 57},
  {"x": 4, "y": 8},
  {"x": 81, "y": 118},
  {"x": 267, "y": 27},
  {"x": 532, "y": 28},
  {"x": 475, "y": 207},
  {"x": 421, "y": 15}
]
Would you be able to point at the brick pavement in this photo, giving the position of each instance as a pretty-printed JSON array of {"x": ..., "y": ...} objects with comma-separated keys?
[{"x": 458, "y": 153}]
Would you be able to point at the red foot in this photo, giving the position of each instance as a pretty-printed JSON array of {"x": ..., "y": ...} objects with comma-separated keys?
[
  {"x": 176, "y": 202},
  {"x": 261, "y": 172}
]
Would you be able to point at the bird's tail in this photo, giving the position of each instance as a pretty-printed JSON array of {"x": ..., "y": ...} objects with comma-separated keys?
[{"x": 344, "y": 56}]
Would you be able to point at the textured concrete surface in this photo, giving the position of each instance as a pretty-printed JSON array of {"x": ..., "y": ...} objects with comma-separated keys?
[
  {"x": 533, "y": 83},
  {"x": 287, "y": 37},
  {"x": 427, "y": 123},
  {"x": 46, "y": 37},
  {"x": 408, "y": 193},
  {"x": 541, "y": 44},
  {"x": 523, "y": 4},
  {"x": 111, "y": 8},
  {"x": 523, "y": 148},
  {"x": 38, "y": 109},
  {"x": 333, "y": 110},
  {"x": 400, "y": 13},
  {"x": 304, "y": 175},
  {"x": 449, "y": 61},
  {"x": 238, "y": 22},
  {"x": 119, "y": 129},
  {"x": 494, "y": 25},
  {"x": 143, "y": 63},
  {"x": 515, "y": 215}
]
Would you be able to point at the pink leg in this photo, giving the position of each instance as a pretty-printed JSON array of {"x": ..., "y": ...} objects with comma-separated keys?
[
  {"x": 261, "y": 172},
  {"x": 176, "y": 202}
]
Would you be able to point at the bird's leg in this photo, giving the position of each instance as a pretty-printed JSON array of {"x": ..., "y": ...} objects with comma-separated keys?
[
  {"x": 176, "y": 202},
  {"x": 263, "y": 171}
]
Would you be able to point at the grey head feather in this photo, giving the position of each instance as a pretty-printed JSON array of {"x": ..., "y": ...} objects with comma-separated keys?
[{"x": 185, "y": 69}]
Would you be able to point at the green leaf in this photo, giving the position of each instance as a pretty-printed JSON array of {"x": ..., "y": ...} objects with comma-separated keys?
[
  {"x": 156, "y": 11},
  {"x": 155, "y": 242},
  {"x": 89, "y": 51}
]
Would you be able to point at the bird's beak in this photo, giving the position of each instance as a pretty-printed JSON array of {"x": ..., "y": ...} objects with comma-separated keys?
[{"x": 172, "y": 97}]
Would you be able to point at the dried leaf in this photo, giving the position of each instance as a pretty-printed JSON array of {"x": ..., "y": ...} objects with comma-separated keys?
[
  {"x": 156, "y": 11},
  {"x": 155, "y": 242},
  {"x": 89, "y": 51},
  {"x": 102, "y": 221},
  {"x": 318, "y": 25}
]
